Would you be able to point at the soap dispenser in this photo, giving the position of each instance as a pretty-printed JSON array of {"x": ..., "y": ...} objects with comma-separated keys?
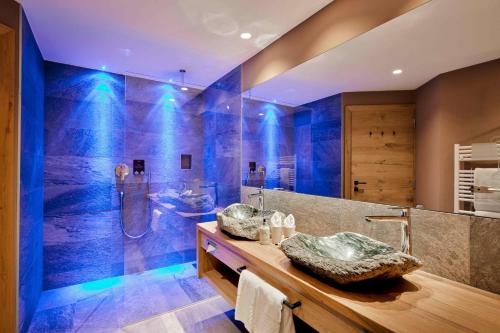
[{"x": 265, "y": 233}]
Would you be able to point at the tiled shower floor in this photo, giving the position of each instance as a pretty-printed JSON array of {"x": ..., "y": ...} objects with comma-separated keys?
[{"x": 110, "y": 304}]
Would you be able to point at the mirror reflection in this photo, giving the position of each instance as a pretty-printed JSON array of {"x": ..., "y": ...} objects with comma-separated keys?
[{"x": 396, "y": 116}]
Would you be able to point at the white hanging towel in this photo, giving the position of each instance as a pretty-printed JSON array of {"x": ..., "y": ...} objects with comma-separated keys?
[
  {"x": 260, "y": 306},
  {"x": 487, "y": 202},
  {"x": 484, "y": 213}
]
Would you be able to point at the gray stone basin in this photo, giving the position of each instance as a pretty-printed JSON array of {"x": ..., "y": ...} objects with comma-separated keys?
[
  {"x": 243, "y": 220},
  {"x": 347, "y": 257}
]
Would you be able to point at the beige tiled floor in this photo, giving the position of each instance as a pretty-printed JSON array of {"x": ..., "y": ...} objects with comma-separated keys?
[{"x": 205, "y": 316}]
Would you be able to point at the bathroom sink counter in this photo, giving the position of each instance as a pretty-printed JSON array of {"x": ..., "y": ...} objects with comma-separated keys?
[{"x": 419, "y": 302}]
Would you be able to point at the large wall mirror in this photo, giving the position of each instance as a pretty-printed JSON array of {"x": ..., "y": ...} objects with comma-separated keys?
[{"x": 405, "y": 114}]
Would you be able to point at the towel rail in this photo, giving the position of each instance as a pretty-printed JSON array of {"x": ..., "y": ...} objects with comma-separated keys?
[
  {"x": 285, "y": 302},
  {"x": 464, "y": 188}
]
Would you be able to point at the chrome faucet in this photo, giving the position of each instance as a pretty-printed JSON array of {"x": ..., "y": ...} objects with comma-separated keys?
[
  {"x": 405, "y": 220},
  {"x": 259, "y": 194}
]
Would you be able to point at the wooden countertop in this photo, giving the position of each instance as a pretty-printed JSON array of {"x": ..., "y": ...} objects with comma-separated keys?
[{"x": 419, "y": 302}]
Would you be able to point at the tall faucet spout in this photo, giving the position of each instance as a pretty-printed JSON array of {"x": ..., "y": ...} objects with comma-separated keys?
[
  {"x": 404, "y": 220},
  {"x": 260, "y": 195}
]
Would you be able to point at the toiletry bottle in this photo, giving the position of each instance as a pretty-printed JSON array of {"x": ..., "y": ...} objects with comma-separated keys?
[{"x": 265, "y": 233}]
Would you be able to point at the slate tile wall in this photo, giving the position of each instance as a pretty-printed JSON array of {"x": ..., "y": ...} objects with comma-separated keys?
[
  {"x": 222, "y": 136},
  {"x": 267, "y": 135},
  {"x": 318, "y": 146},
  {"x": 95, "y": 120},
  {"x": 83, "y": 142},
  {"x": 31, "y": 187}
]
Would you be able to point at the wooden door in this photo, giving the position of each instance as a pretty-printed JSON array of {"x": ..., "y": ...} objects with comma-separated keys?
[{"x": 379, "y": 164}]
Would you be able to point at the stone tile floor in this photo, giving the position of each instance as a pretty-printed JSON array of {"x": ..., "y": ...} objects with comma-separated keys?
[
  {"x": 108, "y": 305},
  {"x": 213, "y": 315}
]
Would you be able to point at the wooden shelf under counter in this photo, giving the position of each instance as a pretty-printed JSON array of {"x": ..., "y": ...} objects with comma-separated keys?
[{"x": 419, "y": 302}]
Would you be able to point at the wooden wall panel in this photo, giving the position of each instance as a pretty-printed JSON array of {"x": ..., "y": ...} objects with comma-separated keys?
[{"x": 8, "y": 180}]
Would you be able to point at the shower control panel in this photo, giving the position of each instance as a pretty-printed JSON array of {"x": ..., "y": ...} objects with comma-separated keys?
[{"x": 139, "y": 167}]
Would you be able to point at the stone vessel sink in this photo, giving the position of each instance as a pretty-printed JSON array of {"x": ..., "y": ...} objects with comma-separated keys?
[
  {"x": 243, "y": 220},
  {"x": 348, "y": 257}
]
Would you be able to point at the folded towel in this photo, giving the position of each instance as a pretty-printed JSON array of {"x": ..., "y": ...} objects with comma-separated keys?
[
  {"x": 260, "y": 306},
  {"x": 489, "y": 177},
  {"x": 289, "y": 221},
  {"x": 484, "y": 151},
  {"x": 487, "y": 214},
  {"x": 285, "y": 177},
  {"x": 277, "y": 219}
]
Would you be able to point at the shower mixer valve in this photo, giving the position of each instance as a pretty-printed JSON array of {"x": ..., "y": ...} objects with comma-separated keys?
[{"x": 122, "y": 171}]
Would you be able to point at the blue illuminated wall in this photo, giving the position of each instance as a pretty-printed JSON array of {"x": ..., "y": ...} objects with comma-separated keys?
[
  {"x": 221, "y": 109},
  {"x": 267, "y": 134},
  {"x": 318, "y": 146},
  {"x": 31, "y": 187},
  {"x": 160, "y": 122},
  {"x": 83, "y": 142},
  {"x": 95, "y": 120},
  {"x": 311, "y": 132}
]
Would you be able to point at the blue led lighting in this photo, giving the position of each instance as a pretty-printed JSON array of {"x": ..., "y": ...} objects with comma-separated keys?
[
  {"x": 101, "y": 285},
  {"x": 168, "y": 94},
  {"x": 271, "y": 130},
  {"x": 169, "y": 270},
  {"x": 167, "y": 117},
  {"x": 97, "y": 108}
]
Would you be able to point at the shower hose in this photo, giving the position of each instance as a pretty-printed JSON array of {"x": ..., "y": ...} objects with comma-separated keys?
[{"x": 122, "y": 213}]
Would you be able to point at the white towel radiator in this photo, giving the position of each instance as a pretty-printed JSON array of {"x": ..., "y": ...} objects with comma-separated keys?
[{"x": 464, "y": 176}]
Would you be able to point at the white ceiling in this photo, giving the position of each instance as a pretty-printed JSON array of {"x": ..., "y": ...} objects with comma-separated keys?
[
  {"x": 158, "y": 37},
  {"x": 437, "y": 37}
]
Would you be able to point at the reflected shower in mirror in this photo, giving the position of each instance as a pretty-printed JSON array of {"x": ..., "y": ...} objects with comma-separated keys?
[{"x": 387, "y": 117}]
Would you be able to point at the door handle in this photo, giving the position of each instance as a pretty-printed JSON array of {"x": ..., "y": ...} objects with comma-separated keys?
[{"x": 358, "y": 190}]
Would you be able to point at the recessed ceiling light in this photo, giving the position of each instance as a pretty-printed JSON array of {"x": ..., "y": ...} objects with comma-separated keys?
[
  {"x": 261, "y": 114},
  {"x": 103, "y": 67},
  {"x": 184, "y": 89},
  {"x": 246, "y": 35},
  {"x": 171, "y": 99},
  {"x": 397, "y": 71}
]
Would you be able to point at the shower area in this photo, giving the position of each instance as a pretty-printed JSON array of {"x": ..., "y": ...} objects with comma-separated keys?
[
  {"x": 131, "y": 165},
  {"x": 268, "y": 157}
]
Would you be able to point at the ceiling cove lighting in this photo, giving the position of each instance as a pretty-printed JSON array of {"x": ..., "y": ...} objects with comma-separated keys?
[
  {"x": 183, "y": 73},
  {"x": 397, "y": 71},
  {"x": 245, "y": 35}
]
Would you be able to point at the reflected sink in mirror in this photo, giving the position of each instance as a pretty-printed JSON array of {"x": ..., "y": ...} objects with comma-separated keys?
[
  {"x": 243, "y": 220},
  {"x": 347, "y": 257}
]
